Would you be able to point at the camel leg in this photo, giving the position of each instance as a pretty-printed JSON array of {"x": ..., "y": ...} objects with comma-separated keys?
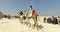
[
  {"x": 29, "y": 24},
  {"x": 21, "y": 20},
  {"x": 27, "y": 21}
]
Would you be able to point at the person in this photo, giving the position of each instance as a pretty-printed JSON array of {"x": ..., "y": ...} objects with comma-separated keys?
[
  {"x": 21, "y": 13},
  {"x": 49, "y": 20},
  {"x": 29, "y": 14},
  {"x": 52, "y": 19},
  {"x": 44, "y": 19},
  {"x": 55, "y": 21},
  {"x": 35, "y": 18},
  {"x": 30, "y": 11},
  {"x": 34, "y": 14}
]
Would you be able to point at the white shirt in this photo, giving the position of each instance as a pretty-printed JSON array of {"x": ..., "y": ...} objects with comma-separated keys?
[{"x": 30, "y": 12}]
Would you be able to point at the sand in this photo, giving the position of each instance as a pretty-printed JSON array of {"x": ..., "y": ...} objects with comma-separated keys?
[{"x": 14, "y": 25}]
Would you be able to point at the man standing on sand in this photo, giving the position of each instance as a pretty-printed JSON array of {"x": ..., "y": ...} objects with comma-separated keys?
[
  {"x": 35, "y": 17},
  {"x": 44, "y": 20}
]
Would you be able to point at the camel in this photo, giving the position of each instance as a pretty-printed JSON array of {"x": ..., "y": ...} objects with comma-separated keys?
[{"x": 28, "y": 16}]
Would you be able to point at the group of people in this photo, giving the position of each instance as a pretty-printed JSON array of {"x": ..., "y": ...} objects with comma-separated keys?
[
  {"x": 28, "y": 14},
  {"x": 5, "y": 16},
  {"x": 52, "y": 20}
]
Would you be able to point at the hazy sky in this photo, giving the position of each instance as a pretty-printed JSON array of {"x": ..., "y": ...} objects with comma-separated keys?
[{"x": 48, "y": 7}]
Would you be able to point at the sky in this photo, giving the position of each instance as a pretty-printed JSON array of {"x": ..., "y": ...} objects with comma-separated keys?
[{"x": 42, "y": 7}]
